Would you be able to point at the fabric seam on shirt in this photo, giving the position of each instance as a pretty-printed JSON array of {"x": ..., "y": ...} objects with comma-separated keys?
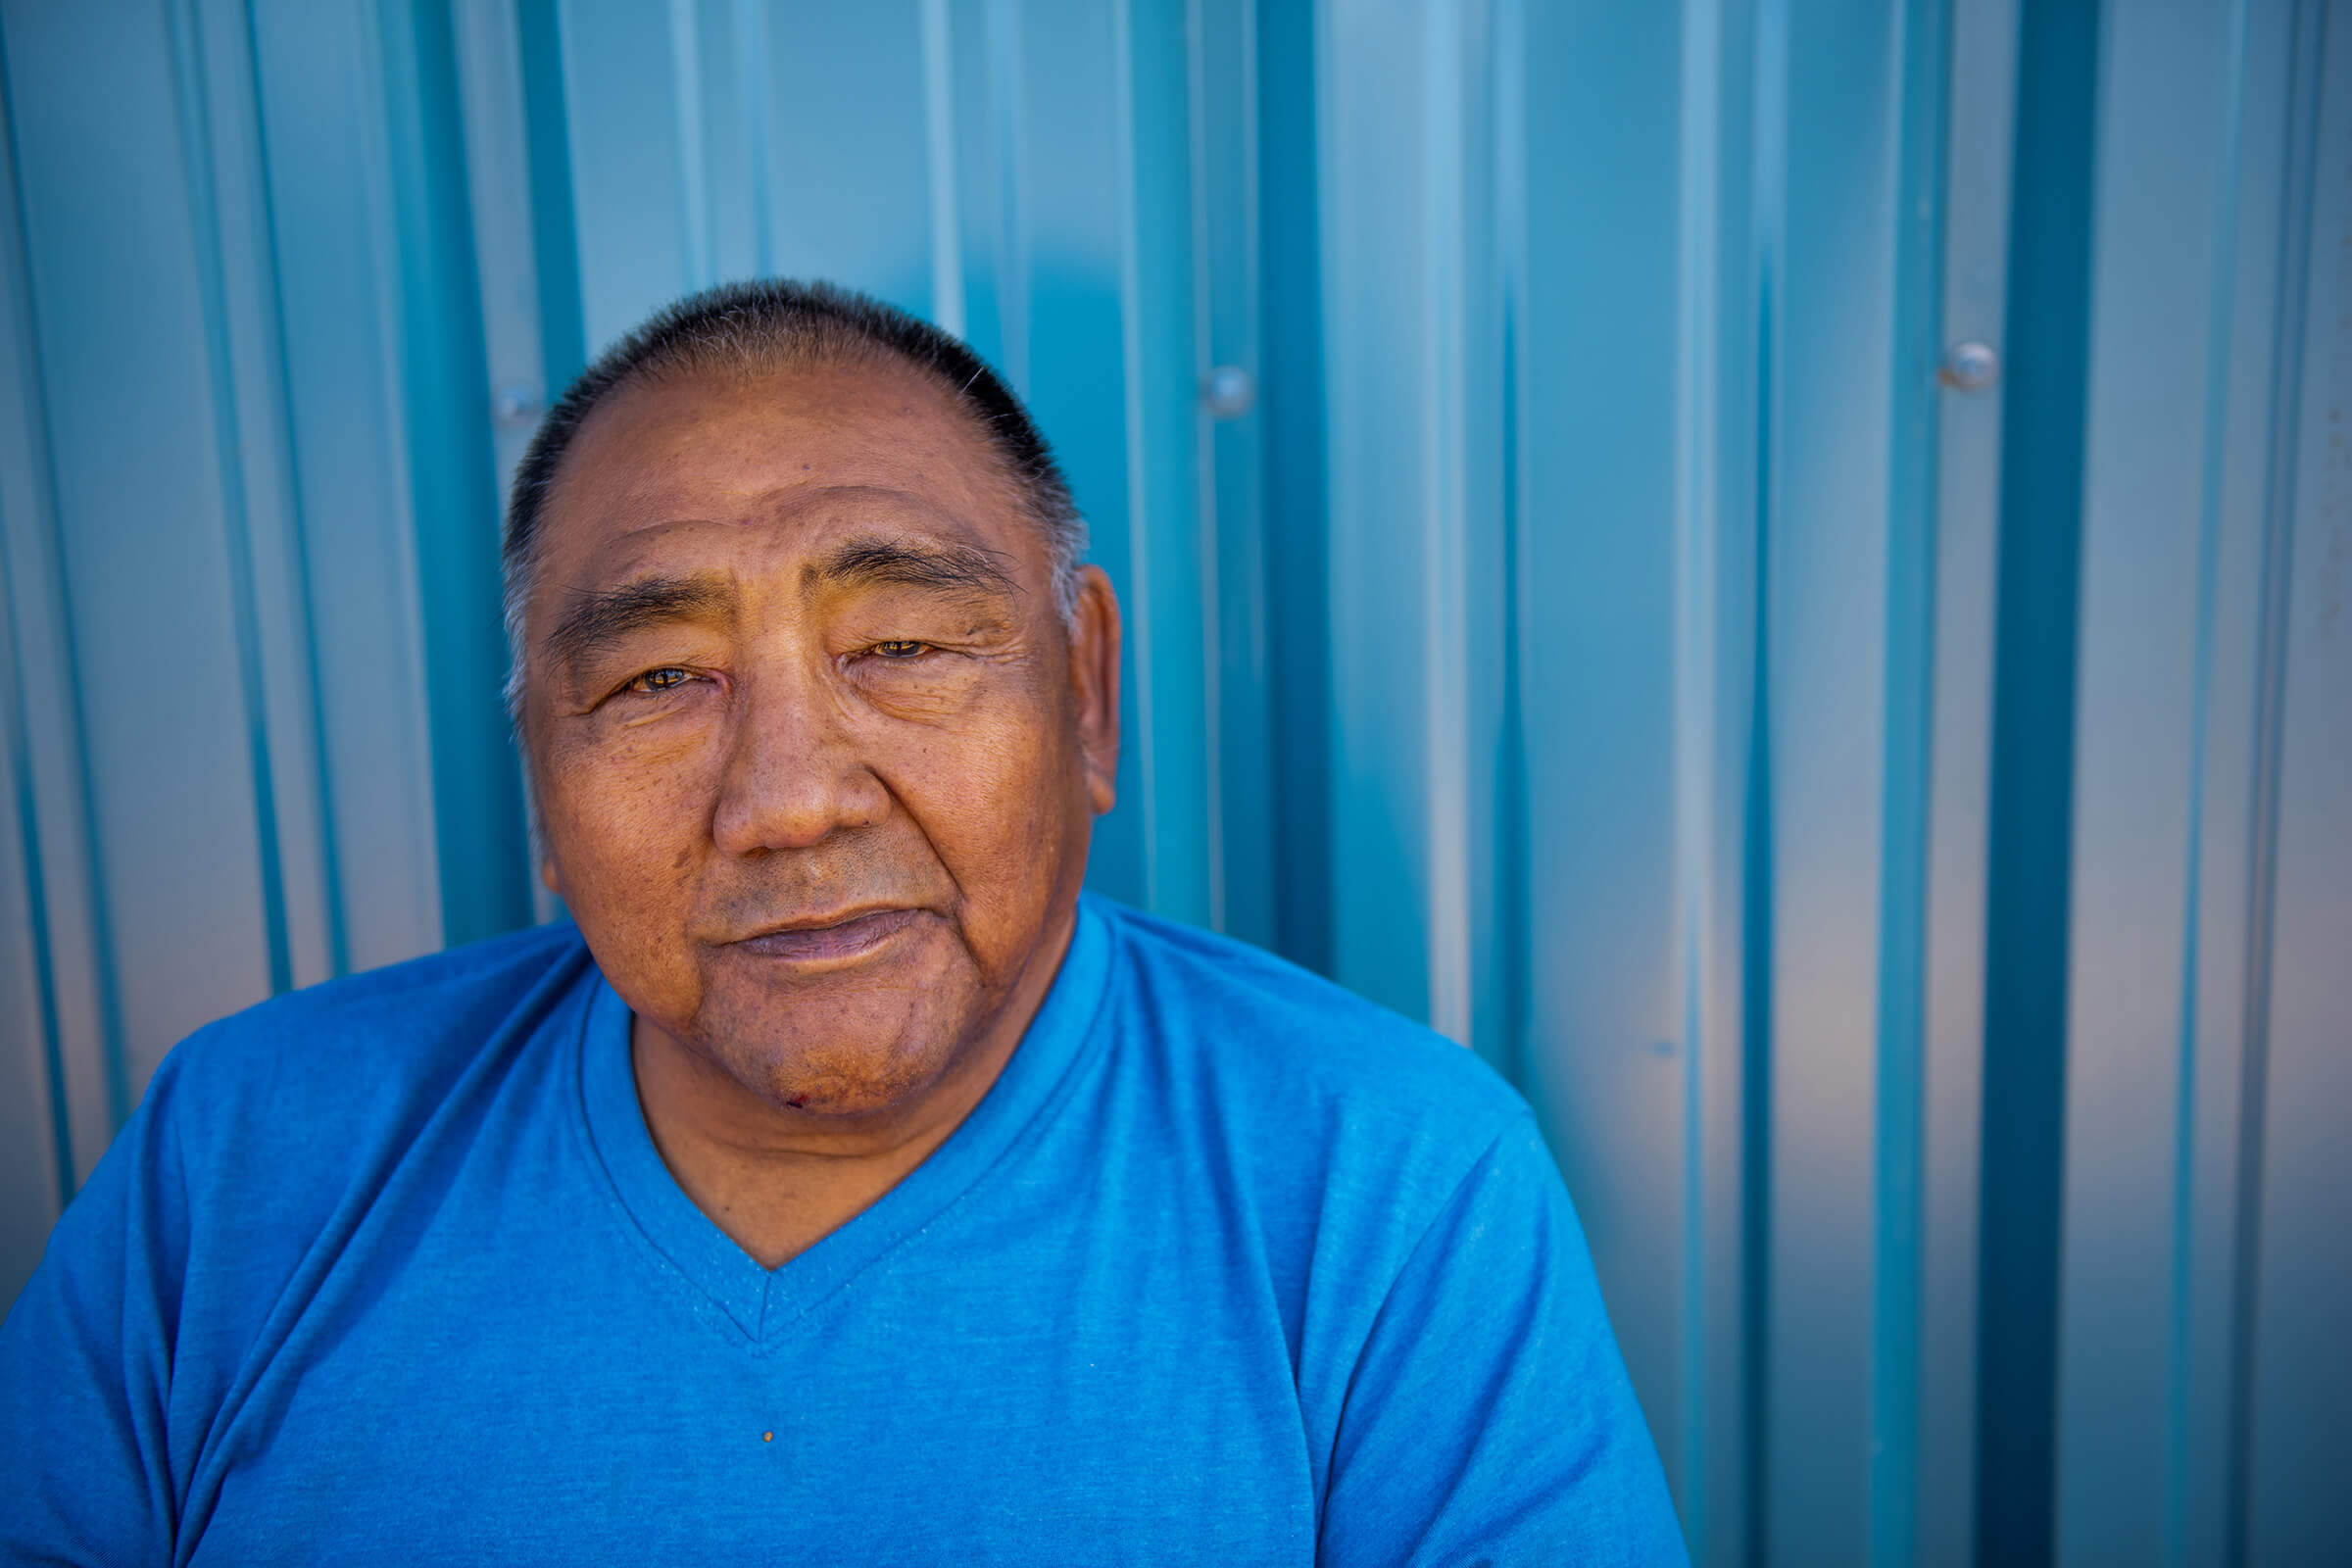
[
  {"x": 1520, "y": 1117},
  {"x": 699, "y": 1302}
]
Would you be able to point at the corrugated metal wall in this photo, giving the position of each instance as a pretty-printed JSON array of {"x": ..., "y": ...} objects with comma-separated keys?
[{"x": 1899, "y": 832}]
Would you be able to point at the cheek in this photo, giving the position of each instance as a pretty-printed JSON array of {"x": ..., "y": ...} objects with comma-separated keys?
[
  {"x": 994, "y": 798},
  {"x": 603, "y": 822},
  {"x": 628, "y": 782},
  {"x": 625, "y": 822}
]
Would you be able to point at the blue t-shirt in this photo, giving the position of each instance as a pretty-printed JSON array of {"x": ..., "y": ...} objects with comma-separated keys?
[{"x": 1228, "y": 1267}]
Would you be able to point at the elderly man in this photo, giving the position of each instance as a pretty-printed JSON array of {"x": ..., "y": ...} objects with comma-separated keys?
[{"x": 845, "y": 1186}]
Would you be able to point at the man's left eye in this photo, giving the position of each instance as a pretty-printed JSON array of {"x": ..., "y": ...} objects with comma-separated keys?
[{"x": 901, "y": 649}]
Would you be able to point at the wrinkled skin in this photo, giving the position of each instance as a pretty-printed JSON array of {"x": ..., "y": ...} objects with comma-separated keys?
[{"x": 817, "y": 758}]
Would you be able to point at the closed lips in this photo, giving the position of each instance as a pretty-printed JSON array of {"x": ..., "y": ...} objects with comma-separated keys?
[{"x": 839, "y": 940}]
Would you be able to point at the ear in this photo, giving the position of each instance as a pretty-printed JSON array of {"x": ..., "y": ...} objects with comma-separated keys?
[
  {"x": 1095, "y": 685},
  {"x": 549, "y": 876}
]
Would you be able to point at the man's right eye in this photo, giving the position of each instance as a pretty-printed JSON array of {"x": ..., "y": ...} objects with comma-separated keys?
[{"x": 660, "y": 680}]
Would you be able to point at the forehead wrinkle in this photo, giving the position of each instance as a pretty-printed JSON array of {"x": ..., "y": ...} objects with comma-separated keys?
[
  {"x": 882, "y": 502},
  {"x": 908, "y": 539},
  {"x": 775, "y": 504}
]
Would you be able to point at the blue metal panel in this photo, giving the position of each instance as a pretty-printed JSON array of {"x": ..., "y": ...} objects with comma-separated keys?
[
  {"x": 129, "y": 339},
  {"x": 1062, "y": 206},
  {"x": 2170, "y": 622},
  {"x": 1290, "y": 412},
  {"x": 224, "y": 779},
  {"x": 1608, "y": 1041},
  {"x": 799, "y": 79},
  {"x": 635, "y": 232},
  {"x": 479, "y": 820},
  {"x": 1170, "y": 574},
  {"x": 1602, "y": 637},
  {"x": 2027, "y": 806},
  {"x": 348, "y": 506},
  {"x": 1408, "y": 259},
  {"x": 2291, "y": 1432},
  {"x": 1222, "y": 49},
  {"x": 2209, "y": 457},
  {"x": 1979, "y": 111},
  {"x": 1828, "y": 299},
  {"x": 50, "y": 982}
]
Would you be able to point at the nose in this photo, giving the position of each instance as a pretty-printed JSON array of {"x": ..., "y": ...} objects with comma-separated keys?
[{"x": 792, "y": 774}]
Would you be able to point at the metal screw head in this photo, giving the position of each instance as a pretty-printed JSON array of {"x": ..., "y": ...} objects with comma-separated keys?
[
  {"x": 1969, "y": 367},
  {"x": 513, "y": 405},
  {"x": 1228, "y": 392}
]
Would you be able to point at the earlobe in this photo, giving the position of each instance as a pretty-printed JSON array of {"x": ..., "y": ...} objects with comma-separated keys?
[
  {"x": 548, "y": 877},
  {"x": 1095, "y": 683}
]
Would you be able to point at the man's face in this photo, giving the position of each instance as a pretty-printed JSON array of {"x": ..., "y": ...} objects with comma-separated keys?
[{"x": 817, "y": 758}]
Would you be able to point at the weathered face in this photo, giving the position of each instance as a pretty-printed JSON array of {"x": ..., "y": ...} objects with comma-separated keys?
[{"x": 817, "y": 758}]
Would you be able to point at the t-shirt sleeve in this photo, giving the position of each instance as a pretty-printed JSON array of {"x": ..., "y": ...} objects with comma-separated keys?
[
  {"x": 85, "y": 1367},
  {"x": 1488, "y": 1419}
]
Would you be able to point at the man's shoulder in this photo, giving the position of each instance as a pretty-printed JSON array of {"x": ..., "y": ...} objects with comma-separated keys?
[
  {"x": 1274, "y": 1043},
  {"x": 385, "y": 1033}
]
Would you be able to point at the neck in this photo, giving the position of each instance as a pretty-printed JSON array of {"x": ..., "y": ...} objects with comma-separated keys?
[{"x": 778, "y": 1180}]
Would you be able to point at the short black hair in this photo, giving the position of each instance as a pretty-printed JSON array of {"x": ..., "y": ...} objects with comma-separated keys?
[{"x": 772, "y": 322}]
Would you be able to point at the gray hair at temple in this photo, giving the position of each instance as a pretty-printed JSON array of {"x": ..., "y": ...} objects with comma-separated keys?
[{"x": 740, "y": 327}]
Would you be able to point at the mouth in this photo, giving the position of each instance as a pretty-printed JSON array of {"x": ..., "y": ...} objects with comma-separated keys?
[{"x": 850, "y": 938}]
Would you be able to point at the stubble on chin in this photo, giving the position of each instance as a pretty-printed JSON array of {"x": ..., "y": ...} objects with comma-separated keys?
[{"x": 844, "y": 1044}]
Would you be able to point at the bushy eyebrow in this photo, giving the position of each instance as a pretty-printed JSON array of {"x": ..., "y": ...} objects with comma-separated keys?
[
  {"x": 593, "y": 621},
  {"x": 954, "y": 567}
]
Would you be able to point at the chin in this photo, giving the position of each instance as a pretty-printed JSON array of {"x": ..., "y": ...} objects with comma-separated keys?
[
  {"x": 848, "y": 1085},
  {"x": 834, "y": 1059},
  {"x": 852, "y": 1038}
]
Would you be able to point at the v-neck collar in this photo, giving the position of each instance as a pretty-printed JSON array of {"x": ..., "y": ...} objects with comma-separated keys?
[{"x": 761, "y": 1300}]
